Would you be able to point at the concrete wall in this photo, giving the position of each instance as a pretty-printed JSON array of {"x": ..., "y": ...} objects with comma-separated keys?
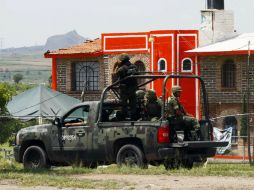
[
  {"x": 216, "y": 25},
  {"x": 222, "y": 101}
]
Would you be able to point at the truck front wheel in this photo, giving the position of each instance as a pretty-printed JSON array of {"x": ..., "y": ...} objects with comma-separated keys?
[
  {"x": 35, "y": 158},
  {"x": 130, "y": 155}
]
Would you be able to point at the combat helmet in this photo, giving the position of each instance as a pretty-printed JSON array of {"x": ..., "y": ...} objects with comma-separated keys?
[
  {"x": 140, "y": 94},
  {"x": 124, "y": 57},
  {"x": 151, "y": 95},
  {"x": 176, "y": 89}
]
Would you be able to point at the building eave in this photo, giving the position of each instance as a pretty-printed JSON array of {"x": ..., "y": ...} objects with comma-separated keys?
[{"x": 73, "y": 55}]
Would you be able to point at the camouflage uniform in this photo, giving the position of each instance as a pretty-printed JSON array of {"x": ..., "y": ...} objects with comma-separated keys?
[
  {"x": 177, "y": 115},
  {"x": 140, "y": 94},
  {"x": 128, "y": 87},
  {"x": 152, "y": 107}
]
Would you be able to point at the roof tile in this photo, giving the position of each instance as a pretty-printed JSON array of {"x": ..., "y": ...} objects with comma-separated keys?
[{"x": 87, "y": 47}]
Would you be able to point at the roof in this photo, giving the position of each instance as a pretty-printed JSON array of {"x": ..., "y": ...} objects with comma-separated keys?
[
  {"x": 236, "y": 45},
  {"x": 87, "y": 47}
]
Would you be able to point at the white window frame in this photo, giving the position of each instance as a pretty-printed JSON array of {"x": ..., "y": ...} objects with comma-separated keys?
[
  {"x": 186, "y": 71},
  {"x": 159, "y": 68}
]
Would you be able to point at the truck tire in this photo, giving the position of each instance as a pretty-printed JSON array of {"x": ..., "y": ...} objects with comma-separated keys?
[
  {"x": 130, "y": 155},
  {"x": 187, "y": 163},
  {"x": 171, "y": 164},
  {"x": 35, "y": 158}
]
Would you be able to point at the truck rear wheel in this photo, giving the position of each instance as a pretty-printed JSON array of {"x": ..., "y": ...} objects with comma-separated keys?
[
  {"x": 187, "y": 163},
  {"x": 130, "y": 155},
  {"x": 35, "y": 158},
  {"x": 171, "y": 164}
]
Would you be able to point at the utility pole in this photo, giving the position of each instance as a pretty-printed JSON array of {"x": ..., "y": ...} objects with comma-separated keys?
[
  {"x": 247, "y": 105},
  {"x": 1, "y": 46}
]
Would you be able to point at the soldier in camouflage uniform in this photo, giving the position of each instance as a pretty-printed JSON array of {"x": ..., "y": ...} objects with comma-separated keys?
[
  {"x": 177, "y": 115},
  {"x": 140, "y": 94},
  {"x": 128, "y": 87},
  {"x": 152, "y": 106}
]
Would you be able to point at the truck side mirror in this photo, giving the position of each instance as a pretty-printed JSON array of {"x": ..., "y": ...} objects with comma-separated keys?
[{"x": 56, "y": 121}]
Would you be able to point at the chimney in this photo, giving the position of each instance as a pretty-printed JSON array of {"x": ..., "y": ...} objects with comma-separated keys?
[
  {"x": 217, "y": 24},
  {"x": 215, "y": 4}
]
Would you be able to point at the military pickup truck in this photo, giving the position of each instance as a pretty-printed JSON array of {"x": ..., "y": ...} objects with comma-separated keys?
[{"x": 92, "y": 133}]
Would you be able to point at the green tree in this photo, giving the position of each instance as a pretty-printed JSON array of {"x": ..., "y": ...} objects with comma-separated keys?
[
  {"x": 5, "y": 95},
  {"x": 243, "y": 130},
  {"x": 9, "y": 125},
  {"x": 17, "y": 78}
]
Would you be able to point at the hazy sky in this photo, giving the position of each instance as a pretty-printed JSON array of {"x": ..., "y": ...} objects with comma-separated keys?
[{"x": 30, "y": 22}]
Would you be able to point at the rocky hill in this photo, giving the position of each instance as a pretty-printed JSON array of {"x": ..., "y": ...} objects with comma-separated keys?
[
  {"x": 53, "y": 43},
  {"x": 63, "y": 41}
]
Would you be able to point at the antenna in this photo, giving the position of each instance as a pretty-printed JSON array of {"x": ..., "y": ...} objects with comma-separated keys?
[{"x": 1, "y": 43}]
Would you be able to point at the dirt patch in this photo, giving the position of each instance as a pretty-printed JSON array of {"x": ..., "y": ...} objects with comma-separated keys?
[
  {"x": 154, "y": 182},
  {"x": 163, "y": 182}
]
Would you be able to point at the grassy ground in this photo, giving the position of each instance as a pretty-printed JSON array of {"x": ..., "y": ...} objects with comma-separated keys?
[
  {"x": 63, "y": 177},
  {"x": 35, "y": 69}
]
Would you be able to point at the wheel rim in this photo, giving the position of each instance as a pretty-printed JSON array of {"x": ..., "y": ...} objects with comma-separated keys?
[
  {"x": 34, "y": 159},
  {"x": 129, "y": 158}
]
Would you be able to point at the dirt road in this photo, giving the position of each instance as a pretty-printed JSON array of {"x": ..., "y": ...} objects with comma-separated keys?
[{"x": 157, "y": 182}]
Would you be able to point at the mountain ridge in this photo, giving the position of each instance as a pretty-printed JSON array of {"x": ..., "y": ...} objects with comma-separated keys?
[{"x": 52, "y": 43}]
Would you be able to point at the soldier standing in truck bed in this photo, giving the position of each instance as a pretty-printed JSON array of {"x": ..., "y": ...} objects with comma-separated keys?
[
  {"x": 128, "y": 87},
  {"x": 177, "y": 115}
]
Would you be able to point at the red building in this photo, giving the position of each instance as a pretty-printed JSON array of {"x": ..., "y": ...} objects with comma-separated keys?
[{"x": 156, "y": 51}]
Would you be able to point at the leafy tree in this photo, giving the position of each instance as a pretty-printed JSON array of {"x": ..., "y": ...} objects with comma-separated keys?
[
  {"x": 9, "y": 125},
  {"x": 243, "y": 130},
  {"x": 17, "y": 78},
  {"x": 5, "y": 95}
]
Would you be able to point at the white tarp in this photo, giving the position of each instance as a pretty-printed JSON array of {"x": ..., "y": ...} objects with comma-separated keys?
[
  {"x": 223, "y": 135},
  {"x": 40, "y": 102},
  {"x": 239, "y": 43}
]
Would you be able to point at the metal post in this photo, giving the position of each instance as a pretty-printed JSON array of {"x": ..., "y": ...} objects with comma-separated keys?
[{"x": 247, "y": 105}]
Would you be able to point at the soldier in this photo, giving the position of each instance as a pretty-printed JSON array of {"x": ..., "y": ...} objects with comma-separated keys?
[
  {"x": 140, "y": 94},
  {"x": 152, "y": 107},
  {"x": 177, "y": 114},
  {"x": 127, "y": 87}
]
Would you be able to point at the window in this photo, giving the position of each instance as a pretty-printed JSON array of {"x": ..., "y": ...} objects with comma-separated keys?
[
  {"x": 228, "y": 77},
  {"x": 162, "y": 63},
  {"x": 113, "y": 75},
  {"x": 186, "y": 65},
  {"x": 141, "y": 68},
  {"x": 77, "y": 117},
  {"x": 86, "y": 76}
]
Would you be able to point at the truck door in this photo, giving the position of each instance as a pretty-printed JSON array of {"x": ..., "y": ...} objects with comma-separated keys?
[{"x": 75, "y": 134}]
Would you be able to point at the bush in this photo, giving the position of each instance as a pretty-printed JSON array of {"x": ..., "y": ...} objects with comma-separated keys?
[
  {"x": 9, "y": 126},
  {"x": 6, "y": 93}
]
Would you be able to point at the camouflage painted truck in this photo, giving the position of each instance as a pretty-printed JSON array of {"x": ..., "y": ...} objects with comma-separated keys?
[{"x": 91, "y": 134}]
